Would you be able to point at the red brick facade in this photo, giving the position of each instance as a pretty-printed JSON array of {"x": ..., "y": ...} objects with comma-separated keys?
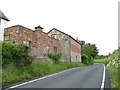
[
  {"x": 75, "y": 47},
  {"x": 37, "y": 39},
  {"x": 41, "y": 43}
]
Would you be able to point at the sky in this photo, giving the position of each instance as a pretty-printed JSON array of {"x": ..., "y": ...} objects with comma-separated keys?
[{"x": 94, "y": 21}]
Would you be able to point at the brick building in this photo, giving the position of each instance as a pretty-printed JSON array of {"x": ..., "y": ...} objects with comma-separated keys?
[
  {"x": 69, "y": 47},
  {"x": 42, "y": 43},
  {"x": 38, "y": 40}
]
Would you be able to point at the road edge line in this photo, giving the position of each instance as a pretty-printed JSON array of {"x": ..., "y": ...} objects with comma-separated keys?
[
  {"x": 103, "y": 80},
  {"x": 39, "y": 78}
]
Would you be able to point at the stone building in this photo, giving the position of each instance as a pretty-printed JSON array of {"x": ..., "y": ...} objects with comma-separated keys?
[
  {"x": 39, "y": 42},
  {"x": 42, "y": 43},
  {"x": 69, "y": 47}
]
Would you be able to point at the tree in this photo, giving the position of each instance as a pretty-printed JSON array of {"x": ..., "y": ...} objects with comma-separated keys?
[
  {"x": 100, "y": 56},
  {"x": 90, "y": 50},
  {"x": 82, "y": 43}
]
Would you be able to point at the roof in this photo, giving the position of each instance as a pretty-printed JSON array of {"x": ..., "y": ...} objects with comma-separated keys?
[
  {"x": 28, "y": 29},
  {"x": 63, "y": 33},
  {"x": 3, "y": 16},
  {"x": 39, "y": 27}
]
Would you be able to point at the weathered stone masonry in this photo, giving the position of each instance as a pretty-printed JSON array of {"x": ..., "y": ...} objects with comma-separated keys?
[
  {"x": 39, "y": 41},
  {"x": 42, "y": 43},
  {"x": 75, "y": 51},
  {"x": 69, "y": 47}
]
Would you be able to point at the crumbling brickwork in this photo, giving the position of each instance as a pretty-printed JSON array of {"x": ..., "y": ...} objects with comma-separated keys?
[
  {"x": 42, "y": 43},
  {"x": 75, "y": 51},
  {"x": 69, "y": 47},
  {"x": 39, "y": 41}
]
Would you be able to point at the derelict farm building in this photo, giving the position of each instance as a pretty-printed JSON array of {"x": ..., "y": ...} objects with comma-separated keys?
[
  {"x": 68, "y": 46},
  {"x": 42, "y": 43}
]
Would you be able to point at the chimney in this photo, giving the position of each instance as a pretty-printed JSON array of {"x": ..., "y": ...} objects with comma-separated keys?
[
  {"x": 39, "y": 28},
  {"x": 76, "y": 38}
]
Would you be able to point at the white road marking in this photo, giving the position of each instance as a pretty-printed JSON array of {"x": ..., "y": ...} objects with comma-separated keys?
[
  {"x": 103, "y": 80},
  {"x": 39, "y": 78}
]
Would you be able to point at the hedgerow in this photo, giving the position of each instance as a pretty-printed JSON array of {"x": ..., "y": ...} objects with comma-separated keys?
[{"x": 16, "y": 54}]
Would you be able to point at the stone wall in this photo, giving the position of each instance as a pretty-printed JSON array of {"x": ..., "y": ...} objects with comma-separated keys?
[
  {"x": 18, "y": 34},
  {"x": 75, "y": 57},
  {"x": 64, "y": 45},
  {"x": 75, "y": 51},
  {"x": 39, "y": 41},
  {"x": 65, "y": 50}
]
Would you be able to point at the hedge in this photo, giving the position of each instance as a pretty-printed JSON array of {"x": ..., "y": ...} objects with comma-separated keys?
[{"x": 15, "y": 53}]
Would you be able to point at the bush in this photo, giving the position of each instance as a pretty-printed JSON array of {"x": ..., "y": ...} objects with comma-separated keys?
[
  {"x": 113, "y": 67},
  {"x": 15, "y": 53},
  {"x": 50, "y": 55},
  {"x": 91, "y": 61},
  {"x": 86, "y": 60},
  {"x": 55, "y": 57}
]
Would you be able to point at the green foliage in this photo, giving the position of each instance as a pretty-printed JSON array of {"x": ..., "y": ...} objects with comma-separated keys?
[
  {"x": 15, "y": 53},
  {"x": 113, "y": 68},
  {"x": 112, "y": 65},
  {"x": 90, "y": 50},
  {"x": 82, "y": 43},
  {"x": 55, "y": 57},
  {"x": 7, "y": 50},
  {"x": 91, "y": 61},
  {"x": 11, "y": 74},
  {"x": 50, "y": 55},
  {"x": 99, "y": 61},
  {"x": 86, "y": 60},
  {"x": 100, "y": 57}
]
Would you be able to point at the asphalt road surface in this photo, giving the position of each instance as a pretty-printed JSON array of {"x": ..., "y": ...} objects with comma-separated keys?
[{"x": 83, "y": 77}]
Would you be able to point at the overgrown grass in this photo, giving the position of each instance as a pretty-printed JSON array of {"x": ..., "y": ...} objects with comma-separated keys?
[
  {"x": 112, "y": 65},
  {"x": 113, "y": 68},
  {"x": 104, "y": 61},
  {"x": 99, "y": 61},
  {"x": 11, "y": 74}
]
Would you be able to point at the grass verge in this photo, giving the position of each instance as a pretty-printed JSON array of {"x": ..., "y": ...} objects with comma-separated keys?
[
  {"x": 112, "y": 65},
  {"x": 11, "y": 74}
]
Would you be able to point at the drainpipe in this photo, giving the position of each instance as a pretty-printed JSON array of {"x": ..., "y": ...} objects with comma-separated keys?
[{"x": 70, "y": 48}]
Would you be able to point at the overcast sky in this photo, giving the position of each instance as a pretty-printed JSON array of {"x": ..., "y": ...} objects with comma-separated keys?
[{"x": 94, "y": 21}]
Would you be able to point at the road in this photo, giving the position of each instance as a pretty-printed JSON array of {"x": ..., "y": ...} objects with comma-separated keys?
[{"x": 83, "y": 77}]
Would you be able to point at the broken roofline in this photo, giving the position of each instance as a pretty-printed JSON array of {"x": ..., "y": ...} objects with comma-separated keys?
[{"x": 64, "y": 33}]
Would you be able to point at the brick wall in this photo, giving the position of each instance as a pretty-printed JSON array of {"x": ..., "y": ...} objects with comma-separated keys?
[
  {"x": 19, "y": 34},
  {"x": 64, "y": 45},
  {"x": 39, "y": 41},
  {"x": 75, "y": 51},
  {"x": 75, "y": 47}
]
